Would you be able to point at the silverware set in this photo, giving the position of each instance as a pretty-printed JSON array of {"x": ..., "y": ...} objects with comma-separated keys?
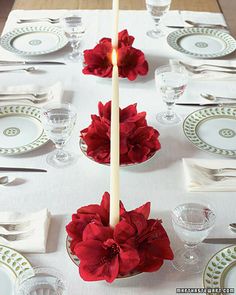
[
  {"x": 215, "y": 175},
  {"x": 208, "y": 68},
  {"x": 16, "y": 231},
  {"x": 33, "y": 97}
]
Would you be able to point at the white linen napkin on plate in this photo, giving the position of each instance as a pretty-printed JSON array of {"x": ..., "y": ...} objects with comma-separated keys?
[
  {"x": 209, "y": 75},
  {"x": 54, "y": 92},
  {"x": 31, "y": 230},
  {"x": 197, "y": 180}
]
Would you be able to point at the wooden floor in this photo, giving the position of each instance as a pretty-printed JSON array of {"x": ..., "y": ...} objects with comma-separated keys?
[
  {"x": 5, "y": 8},
  {"x": 195, "y": 5}
]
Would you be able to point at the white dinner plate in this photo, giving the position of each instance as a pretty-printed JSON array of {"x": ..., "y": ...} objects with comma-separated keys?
[
  {"x": 213, "y": 130},
  {"x": 21, "y": 130},
  {"x": 220, "y": 272},
  {"x": 12, "y": 264},
  {"x": 34, "y": 40},
  {"x": 202, "y": 42}
]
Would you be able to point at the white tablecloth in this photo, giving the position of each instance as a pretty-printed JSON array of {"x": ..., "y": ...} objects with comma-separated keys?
[{"x": 161, "y": 180}]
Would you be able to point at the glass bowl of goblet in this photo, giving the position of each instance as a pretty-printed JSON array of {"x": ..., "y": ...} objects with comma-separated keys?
[
  {"x": 192, "y": 223},
  {"x": 171, "y": 81}
]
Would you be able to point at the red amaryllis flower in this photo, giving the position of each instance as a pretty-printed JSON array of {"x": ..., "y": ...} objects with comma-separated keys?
[
  {"x": 153, "y": 246},
  {"x": 97, "y": 214},
  {"x": 101, "y": 256},
  {"x": 131, "y": 61},
  {"x": 138, "y": 142}
]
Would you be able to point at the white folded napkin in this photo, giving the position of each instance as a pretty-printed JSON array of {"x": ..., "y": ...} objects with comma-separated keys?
[
  {"x": 216, "y": 74},
  {"x": 197, "y": 180},
  {"x": 54, "y": 92},
  {"x": 32, "y": 230}
]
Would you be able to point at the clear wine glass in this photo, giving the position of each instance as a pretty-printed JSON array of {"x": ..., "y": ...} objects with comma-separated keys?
[
  {"x": 157, "y": 9},
  {"x": 40, "y": 281},
  {"x": 74, "y": 30},
  {"x": 192, "y": 222},
  {"x": 58, "y": 121},
  {"x": 171, "y": 81}
]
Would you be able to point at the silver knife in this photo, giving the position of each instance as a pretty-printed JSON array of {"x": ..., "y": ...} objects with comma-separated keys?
[
  {"x": 21, "y": 169},
  {"x": 220, "y": 241},
  {"x": 38, "y": 62},
  {"x": 206, "y": 104}
]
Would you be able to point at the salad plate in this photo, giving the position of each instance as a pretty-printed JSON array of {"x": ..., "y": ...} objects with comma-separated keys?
[
  {"x": 220, "y": 271},
  {"x": 213, "y": 129},
  {"x": 12, "y": 265},
  {"x": 34, "y": 40},
  {"x": 21, "y": 130},
  {"x": 202, "y": 42}
]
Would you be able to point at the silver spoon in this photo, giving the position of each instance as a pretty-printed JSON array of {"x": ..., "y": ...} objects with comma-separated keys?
[
  {"x": 232, "y": 226},
  {"x": 212, "y": 97},
  {"x": 5, "y": 180},
  {"x": 28, "y": 70}
]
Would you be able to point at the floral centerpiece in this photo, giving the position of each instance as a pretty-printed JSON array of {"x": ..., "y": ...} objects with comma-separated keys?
[
  {"x": 136, "y": 244},
  {"x": 131, "y": 61},
  {"x": 138, "y": 141}
]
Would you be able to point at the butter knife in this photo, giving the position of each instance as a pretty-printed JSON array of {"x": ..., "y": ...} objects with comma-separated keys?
[
  {"x": 205, "y": 104},
  {"x": 22, "y": 169},
  {"x": 36, "y": 62},
  {"x": 220, "y": 241}
]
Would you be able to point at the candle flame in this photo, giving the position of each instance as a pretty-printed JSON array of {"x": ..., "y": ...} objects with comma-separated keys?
[{"x": 114, "y": 57}]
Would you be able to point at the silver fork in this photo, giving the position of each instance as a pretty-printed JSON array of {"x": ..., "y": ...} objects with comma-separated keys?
[
  {"x": 33, "y": 94},
  {"x": 19, "y": 98},
  {"x": 15, "y": 227},
  {"x": 213, "y": 171},
  {"x": 16, "y": 237},
  {"x": 43, "y": 19},
  {"x": 221, "y": 178},
  {"x": 204, "y": 66},
  {"x": 28, "y": 70}
]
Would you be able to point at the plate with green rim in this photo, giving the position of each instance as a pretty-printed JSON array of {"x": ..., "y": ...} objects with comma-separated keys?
[
  {"x": 21, "y": 130},
  {"x": 202, "y": 42},
  {"x": 213, "y": 130},
  {"x": 220, "y": 271},
  {"x": 12, "y": 265},
  {"x": 34, "y": 40}
]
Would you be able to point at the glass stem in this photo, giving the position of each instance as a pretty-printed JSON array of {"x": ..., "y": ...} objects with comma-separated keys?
[
  {"x": 61, "y": 155},
  {"x": 190, "y": 255},
  {"x": 170, "y": 112},
  {"x": 157, "y": 24}
]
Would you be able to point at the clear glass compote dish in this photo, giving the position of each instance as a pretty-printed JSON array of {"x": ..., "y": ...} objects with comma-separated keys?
[
  {"x": 41, "y": 281},
  {"x": 157, "y": 9},
  {"x": 74, "y": 30},
  {"x": 171, "y": 81},
  {"x": 59, "y": 120},
  {"x": 192, "y": 222}
]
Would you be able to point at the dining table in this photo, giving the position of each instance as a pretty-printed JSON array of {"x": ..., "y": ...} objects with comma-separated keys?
[{"x": 161, "y": 180}]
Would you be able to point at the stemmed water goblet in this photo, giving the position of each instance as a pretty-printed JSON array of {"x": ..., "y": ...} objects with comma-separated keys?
[
  {"x": 171, "y": 81},
  {"x": 58, "y": 120},
  {"x": 40, "y": 281},
  {"x": 192, "y": 222},
  {"x": 74, "y": 30},
  {"x": 157, "y": 9}
]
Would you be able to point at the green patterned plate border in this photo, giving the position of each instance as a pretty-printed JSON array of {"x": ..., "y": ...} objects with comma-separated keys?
[
  {"x": 218, "y": 267},
  {"x": 174, "y": 37},
  {"x": 193, "y": 120},
  {"x": 13, "y": 260},
  {"x": 24, "y": 110},
  {"x": 7, "y": 39}
]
